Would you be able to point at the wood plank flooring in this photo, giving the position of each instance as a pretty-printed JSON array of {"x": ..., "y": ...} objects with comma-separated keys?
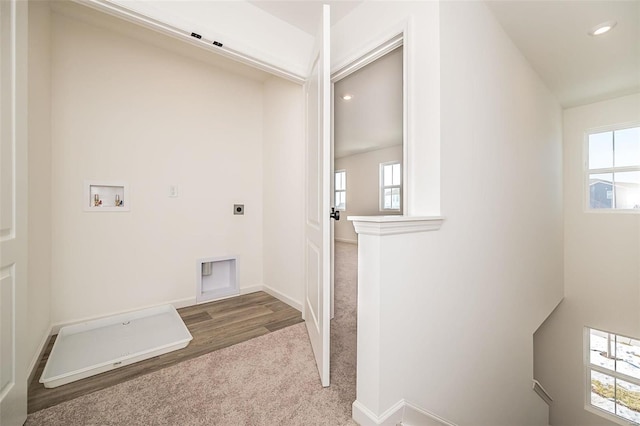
[{"x": 213, "y": 326}]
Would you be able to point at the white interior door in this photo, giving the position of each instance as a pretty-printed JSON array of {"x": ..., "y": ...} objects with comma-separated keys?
[
  {"x": 317, "y": 229},
  {"x": 13, "y": 212}
]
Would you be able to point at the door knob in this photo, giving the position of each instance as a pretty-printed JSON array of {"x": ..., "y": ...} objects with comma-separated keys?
[{"x": 335, "y": 214}]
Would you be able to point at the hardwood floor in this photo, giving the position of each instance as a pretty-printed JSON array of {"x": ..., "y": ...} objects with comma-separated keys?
[{"x": 213, "y": 326}]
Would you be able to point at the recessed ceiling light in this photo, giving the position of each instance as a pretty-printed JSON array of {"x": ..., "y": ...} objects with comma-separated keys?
[
  {"x": 600, "y": 29},
  {"x": 347, "y": 97}
]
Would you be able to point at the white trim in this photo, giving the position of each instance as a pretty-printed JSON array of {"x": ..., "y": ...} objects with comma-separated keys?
[
  {"x": 586, "y": 171},
  {"x": 614, "y": 374},
  {"x": 607, "y": 415},
  {"x": 184, "y": 35},
  {"x": 365, "y": 417},
  {"x": 612, "y": 211},
  {"x": 542, "y": 392},
  {"x": 247, "y": 290},
  {"x": 402, "y": 412},
  {"x": 382, "y": 186},
  {"x": 183, "y": 303},
  {"x": 393, "y": 225},
  {"x": 297, "y": 305},
  {"x": 588, "y": 367},
  {"x": 33, "y": 366},
  {"x": 369, "y": 57},
  {"x": 612, "y": 127},
  {"x": 381, "y": 42},
  {"x": 233, "y": 286},
  {"x": 346, "y": 240},
  {"x": 179, "y": 303},
  {"x": 408, "y": 109},
  {"x": 333, "y": 176},
  {"x": 399, "y": 34},
  {"x": 414, "y": 415}
]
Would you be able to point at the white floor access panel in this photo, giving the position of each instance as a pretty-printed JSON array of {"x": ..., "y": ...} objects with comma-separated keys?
[{"x": 93, "y": 347}]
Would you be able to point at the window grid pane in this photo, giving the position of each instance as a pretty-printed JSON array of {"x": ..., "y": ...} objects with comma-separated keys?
[
  {"x": 390, "y": 186},
  {"x": 340, "y": 200},
  {"x": 387, "y": 172},
  {"x": 387, "y": 198},
  {"x": 340, "y": 181},
  {"x": 627, "y": 397},
  {"x": 395, "y": 198},
  {"x": 627, "y": 356},
  {"x": 602, "y": 347},
  {"x": 601, "y": 150},
  {"x": 617, "y": 392},
  {"x": 616, "y": 157},
  {"x": 396, "y": 174},
  {"x": 601, "y": 193},
  {"x": 626, "y": 145},
  {"x": 340, "y": 188},
  {"x": 627, "y": 190},
  {"x": 603, "y": 392}
]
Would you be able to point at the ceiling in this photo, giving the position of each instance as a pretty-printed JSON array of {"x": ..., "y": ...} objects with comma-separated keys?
[
  {"x": 576, "y": 67},
  {"x": 552, "y": 35},
  {"x": 372, "y": 119},
  {"x": 306, "y": 14}
]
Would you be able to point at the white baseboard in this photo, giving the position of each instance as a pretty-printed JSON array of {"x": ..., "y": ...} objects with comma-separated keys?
[
  {"x": 33, "y": 365},
  {"x": 180, "y": 303},
  {"x": 401, "y": 413},
  {"x": 282, "y": 297},
  {"x": 416, "y": 416},
  {"x": 365, "y": 417},
  {"x": 273, "y": 292},
  {"x": 345, "y": 240},
  {"x": 251, "y": 289}
]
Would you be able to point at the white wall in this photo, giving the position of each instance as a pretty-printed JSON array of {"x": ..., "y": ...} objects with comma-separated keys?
[
  {"x": 459, "y": 306},
  {"x": 602, "y": 271},
  {"x": 128, "y": 111},
  {"x": 499, "y": 254},
  {"x": 363, "y": 187},
  {"x": 283, "y": 186},
  {"x": 39, "y": 285}
]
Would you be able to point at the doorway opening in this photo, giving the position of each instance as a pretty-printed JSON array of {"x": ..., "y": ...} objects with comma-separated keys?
[{"x": 368, "y": 172}]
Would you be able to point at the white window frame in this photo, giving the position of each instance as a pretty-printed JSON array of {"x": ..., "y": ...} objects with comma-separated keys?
[
  {"x": 589, "y": 367},
  {"x": 587, "y": 171},
  {"x": 336, "y": 190},
  {"x": 383, "y": 187}
]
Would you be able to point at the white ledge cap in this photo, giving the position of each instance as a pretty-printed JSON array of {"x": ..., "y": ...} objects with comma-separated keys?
[{"x": 392, "y": 225}]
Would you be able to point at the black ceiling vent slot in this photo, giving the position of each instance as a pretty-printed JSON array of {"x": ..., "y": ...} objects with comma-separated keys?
[
  {"x": 198, "y": 36},
  {"x": 217, "y": 43}
]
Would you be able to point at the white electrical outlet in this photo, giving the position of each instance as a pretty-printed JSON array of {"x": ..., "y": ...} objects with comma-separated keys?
[{"x": 173, "y": 191}]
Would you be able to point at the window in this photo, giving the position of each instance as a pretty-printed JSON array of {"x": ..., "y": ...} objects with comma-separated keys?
[
  {"x": 612, "y": 376},
  {"x": 340, "y": 185},
  {"x": 390, "y": 186},
  {"x": 613, "y": 169}
]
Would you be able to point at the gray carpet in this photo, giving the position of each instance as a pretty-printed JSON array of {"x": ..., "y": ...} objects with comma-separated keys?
[{"x": 270, "y": 380}]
